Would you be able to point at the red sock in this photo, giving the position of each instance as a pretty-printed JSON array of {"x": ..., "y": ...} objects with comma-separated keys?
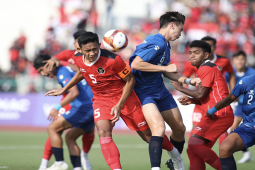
[
  {"x": 110, "y": 152},
  {"x": 197, "y": 146},
  {"x": 47, "y": 150},
  {"x": 87, "y": 140},
  {"x": 223, "y": 136},
  {"x": 167, "y": 145},
  {"x": 196, "y": 163}
]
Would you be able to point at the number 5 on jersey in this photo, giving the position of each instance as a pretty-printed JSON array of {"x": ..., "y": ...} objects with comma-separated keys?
[
  {"x": 93, "y": 78},
  {"x": 97, "y": 113}
]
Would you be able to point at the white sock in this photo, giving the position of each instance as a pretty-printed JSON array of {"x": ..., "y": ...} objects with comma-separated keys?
[
  {"x": 174, "y": 153},
  {"x": 44, "y": 163},
  {"x": 84, "y": 154},
  {"x": 59, "y": 163},
  {"x": 155, "y": 168},
  {"x": 77, "y": 168}
]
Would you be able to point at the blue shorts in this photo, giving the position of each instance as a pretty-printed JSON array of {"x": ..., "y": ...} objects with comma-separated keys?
[
  {"x": 80, "y": 117},
  {"x": 239, "y": 111},
  {"x": 247, "y": 134},
  {"x": 162, "y": 98}
]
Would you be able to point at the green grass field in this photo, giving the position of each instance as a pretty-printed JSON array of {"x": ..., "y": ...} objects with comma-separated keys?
[{"x": 24, "y": 150}]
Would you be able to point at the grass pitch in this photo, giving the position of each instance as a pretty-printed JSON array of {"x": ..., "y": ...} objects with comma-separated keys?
[{"x": 24, "y": 150}]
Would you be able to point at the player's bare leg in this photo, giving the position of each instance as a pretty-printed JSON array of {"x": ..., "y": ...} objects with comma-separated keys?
[
  {"x": 229, "y": 146},
  {"x": 109, "y": 149}
]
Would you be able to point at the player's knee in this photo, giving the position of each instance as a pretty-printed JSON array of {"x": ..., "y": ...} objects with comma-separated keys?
[
  {"x": 69, "y": 138},
  {"x": 225, "y": 150},
  {"x": 51, "y": 128},
  {"x": 158, "y": 130},
  {"x": 103, "y": 133}
]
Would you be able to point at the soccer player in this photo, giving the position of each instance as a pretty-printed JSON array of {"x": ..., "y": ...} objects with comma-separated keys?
[
  {"x": 243, "y": 136},
  {"x": 80, "y": 116},
  {"x": 241, "y": 71},
  {"x": 112, "y": 84},
  {"x": 214, "y": 88},
  {"x": 66, "y": 58},
  {"x": 149, "y": 61},
  {"x": 224, "y": 65}
]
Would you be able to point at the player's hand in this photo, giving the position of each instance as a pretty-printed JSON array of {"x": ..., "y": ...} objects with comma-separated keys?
[
  {"x": 208, "y": 115},
  {"x": 53, "y": 114},
  {"x": 171, "y": 68},
  {"x": 176, "y": 85},
  {"x": 51, "y": 63},
  {"x": 116, "y": 112},
  {"x": 185, "y": 100},
  {"x": 55, "y": 92},
  {"x": 195, "y": 82}
]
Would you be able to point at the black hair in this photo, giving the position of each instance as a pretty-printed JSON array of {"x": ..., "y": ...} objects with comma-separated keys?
[
  {"x": 172, "y": 16},
  {"x": 88, "y": 37},
  {"x": 78, "y": 33},
  {"x": 38, "y": 62},
  {"x": 204, "y": 45},
  {"x": 241, "y": 52},
  {"x": 208, "y": 38}
]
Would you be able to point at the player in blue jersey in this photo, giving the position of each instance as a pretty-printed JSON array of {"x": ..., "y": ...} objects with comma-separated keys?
[
  {"x": 243, "y": 136},
  {"x": 241, "y": 71},
  {"x": 149, "y": 61},
  {"x": 79, "y": 118}
]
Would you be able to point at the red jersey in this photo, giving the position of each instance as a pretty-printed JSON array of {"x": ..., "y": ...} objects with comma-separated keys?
[
  {"x": 66, "y": 55},
  {"x": 105, "y": 74},
  {"x": 211, "y": 77},
  {"x": 222, "y": 62}
]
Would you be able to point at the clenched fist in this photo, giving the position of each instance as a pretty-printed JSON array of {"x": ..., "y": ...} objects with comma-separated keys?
[{"x": 171, "y": 68}]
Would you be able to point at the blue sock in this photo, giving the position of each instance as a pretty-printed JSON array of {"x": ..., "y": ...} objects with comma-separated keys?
[
  {"x": 76, "y": 161},
  {"x": 178, "y": 145},
  {"x": 155, "y": 150},
  {"x": 58, "y": 153},
  {"x": 228, "y": 163}
]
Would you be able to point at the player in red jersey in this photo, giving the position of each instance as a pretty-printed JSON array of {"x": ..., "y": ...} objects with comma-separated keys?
[
  {"x": 66, "y": 58},
  {"x": 224, "y": 65},
  {"x": 112, "y": 84},
  {"x": 214, "y": 88}
]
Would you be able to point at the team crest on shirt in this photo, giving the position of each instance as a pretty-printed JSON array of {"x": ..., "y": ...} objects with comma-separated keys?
[
  {"x": 100, "y": 70},
  {"x": 219, "y": 67}
]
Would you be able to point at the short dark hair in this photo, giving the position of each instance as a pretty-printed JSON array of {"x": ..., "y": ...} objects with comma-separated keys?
[
  {"x": 88, "y": 37},
  {"x": 38, "y": 62},
  {"x": 208, "y": 38},
  {"x": 204, "y": 45},
  {"x": 171, "y": 16},
  {"x": 78, "y": 33},
  {"x": 241, "y": 52}
]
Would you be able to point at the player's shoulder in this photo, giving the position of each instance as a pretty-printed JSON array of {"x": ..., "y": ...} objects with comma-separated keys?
[
  {"x": 250, "y": 70},
  {"x": 209, "y": 64},
  {"x": 64, "y": 70},
  {"x": 222, "y": 58},
  {"x": 156, "y": 39},
  {"x": 108, "y": 54}
]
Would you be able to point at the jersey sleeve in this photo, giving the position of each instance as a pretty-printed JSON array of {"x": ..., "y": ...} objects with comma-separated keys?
[
  {"x": 120, "y": 67},
  {"x": 64, "y": 75},
  {"x": 239, "y": 88},
  {"x": 228, "y": 68},
  {"x": 150, "y": 50},
  {"x": 64, "y": 55},
  {"x": 189, "y": 70},
  {"x": 206, "y": 74}
]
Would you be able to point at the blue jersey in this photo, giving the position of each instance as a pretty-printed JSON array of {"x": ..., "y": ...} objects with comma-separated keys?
[
  {"x": 154, "y": 50},
  {"x": 248, "y": 71},
  {"x": 246, "y": 86},
  {"x": 64, "y": 75}
]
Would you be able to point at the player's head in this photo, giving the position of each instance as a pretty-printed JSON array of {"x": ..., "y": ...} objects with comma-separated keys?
[
  {"x": 239, "y": 60},
  {"x": 199, "y": 52},
  {"x": 212, "y": 41},
  {"x": 173, "y": 23},
  {"x": 76, "y": 35},
  {"x": 89, "y": 45},
  {"x": 39, "y": 65}
]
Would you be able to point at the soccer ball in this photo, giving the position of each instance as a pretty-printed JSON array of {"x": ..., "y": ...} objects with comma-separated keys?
[{"x": 115, "y": 40}]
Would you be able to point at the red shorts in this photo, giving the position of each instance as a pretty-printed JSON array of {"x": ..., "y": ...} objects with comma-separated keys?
[
  {"x": 211, "y": 129},
  {"x": 131, "y": 113},
  {"x": 197, "y": 114}
]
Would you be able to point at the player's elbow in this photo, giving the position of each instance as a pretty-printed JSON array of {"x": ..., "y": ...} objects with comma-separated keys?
[
  {"x": 134, "y": 66},
  {"x": 198, "y": 96}
]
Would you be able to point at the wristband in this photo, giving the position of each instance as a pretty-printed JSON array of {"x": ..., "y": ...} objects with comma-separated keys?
[
  {"x": 212, "y": 111},
  {"x": 57, "y": 107},
  {"x": 187, "y": 81},
  {"x": 64, "y": 63}
]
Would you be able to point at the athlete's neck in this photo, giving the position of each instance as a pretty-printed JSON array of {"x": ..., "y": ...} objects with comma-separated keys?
[
  {"x": 241, "y": 70},
  {"x": 164, "y": 32},
  {"x": 211, "y": 56}
]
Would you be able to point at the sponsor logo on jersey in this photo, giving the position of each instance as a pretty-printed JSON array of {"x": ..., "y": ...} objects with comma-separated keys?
[
  {"x": 219, "y": 67},
  {"x": 82, "y": 70},
  {"x": 61, "y": 77},
  {"x": 241, "y": 82},
  {"x": 144, "y": 42},
  {"x": 198, "y": 128},
  {"x": 71, "y": 61},
  {"x": 64, "y": 82},
  {"x": 141, "y": 124},
  {"x": 251, "y": 92},
  {"x": 100, "y": 70},
  {"x": 156, "y": 47}
]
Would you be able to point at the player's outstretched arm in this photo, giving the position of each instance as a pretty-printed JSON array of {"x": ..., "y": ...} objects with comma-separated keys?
[
  {"x": 185, "y": 100},
  {"x": 139, "y": 64},
  {"x": 181, "y": 79},
  {"x": 51, "y": 63},
  {"x": 75, "y": 80},
  {"x": 232, "y": 80}
]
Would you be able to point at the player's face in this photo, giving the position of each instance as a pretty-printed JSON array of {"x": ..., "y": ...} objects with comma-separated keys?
[
  {"x": 212, "y": 46},
  {"x": 90, "y": 51},
  {"x": 76, "y": 46},
  {"x": 45, "y": 72},
  {"x": 239, "y": 62},
  {"x": 175, "y": 31},
  {"x": 197, "y": 56}
]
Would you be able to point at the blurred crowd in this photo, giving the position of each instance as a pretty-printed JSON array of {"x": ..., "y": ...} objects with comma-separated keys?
[{"x": 231, "y": 22}]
